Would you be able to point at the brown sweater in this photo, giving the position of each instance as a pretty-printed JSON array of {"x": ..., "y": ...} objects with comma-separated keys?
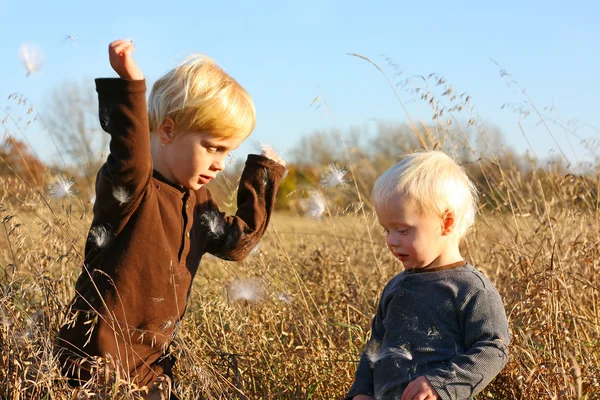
[{"x": 145, "y": 244}]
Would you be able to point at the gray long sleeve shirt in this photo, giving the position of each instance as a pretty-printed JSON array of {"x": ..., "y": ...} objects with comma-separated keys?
[{"x": 447, "y": 324}]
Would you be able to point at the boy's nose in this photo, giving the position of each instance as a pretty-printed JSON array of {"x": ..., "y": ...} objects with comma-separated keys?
[
  {"x": 219, "y": 164},
  {"x": 392, "y": 240}
]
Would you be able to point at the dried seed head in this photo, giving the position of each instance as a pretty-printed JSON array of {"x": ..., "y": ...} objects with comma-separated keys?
[
  {"x": 73, "y": 40},
  {"x": 245, "y": 289},
  {"x": 63, "y": 187},
  {"x": 433, "y": 333},
  {"x": 99, "y": 235},
  {"x": 31, "y": 57},
  {"x": 263, "y": 147},
  {"x": 256, "y": 250},
  {"x": 214, "y": 223},
  {"x": 105, "y": 116},
  {"x": 373, "y": 351},
  {"x": 315, "y": 205},
  {"x": 336, "y": 176},
  {"x": 400, "y": 352},
  {"x": 120, "y": 193},
  {"x": 284, "y": 298},
  {"x": 264, "y": 176}
]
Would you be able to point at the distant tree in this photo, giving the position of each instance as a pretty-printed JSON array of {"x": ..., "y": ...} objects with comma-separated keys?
[
  {"x": 17, "y": 160},
  {"x": 71, "y": 115},
  {"x": 317, "y": 148}
]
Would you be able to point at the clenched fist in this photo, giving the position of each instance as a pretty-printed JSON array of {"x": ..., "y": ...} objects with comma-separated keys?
[{"x": 121, "y": 60}]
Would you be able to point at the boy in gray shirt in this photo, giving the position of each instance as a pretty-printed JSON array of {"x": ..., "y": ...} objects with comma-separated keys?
[{"x": 440, "y": 330}]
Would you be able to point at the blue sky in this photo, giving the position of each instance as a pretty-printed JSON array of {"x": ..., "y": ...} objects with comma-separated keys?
[{"x": 285, "y": 53}]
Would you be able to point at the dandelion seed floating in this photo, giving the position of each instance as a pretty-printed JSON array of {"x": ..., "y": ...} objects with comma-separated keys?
[
  {"x": 71, "y": 39},
  {"x": 401, "y": 352},
  {"x": 284, "y": 298},
  {"x": 373, "y": 351},
  {"x": 264, "y": 176},
  {"x": 315, "y": 206},
  {"x": 166, "y": 325},
  {"x": 215, "y": 224},
  {"x": 265, "y": 149},
  {"x": 105, "y": 113},
  {"x": 336, "y": 176},
  {"x": 433, "y": 333},
  {"x": 255, "y": 250},
  {"x": 100, "y": 235},
  {"x": 63, "y": 187},
  {"x": 31, "y": 57},
  {"x": 120, "y": 193},
  {"x": 245, "y": 289}
]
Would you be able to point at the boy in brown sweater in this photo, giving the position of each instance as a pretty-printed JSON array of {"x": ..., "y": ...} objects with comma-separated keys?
[{"x": 153, "y": 217}]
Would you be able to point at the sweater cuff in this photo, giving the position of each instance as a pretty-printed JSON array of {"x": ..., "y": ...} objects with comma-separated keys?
[
  {"x": 438, "y": 385},
  {"x": 360, "y": 387},
  {"x": 120, "y": 85},
  {"x": 262, "y": 161}
]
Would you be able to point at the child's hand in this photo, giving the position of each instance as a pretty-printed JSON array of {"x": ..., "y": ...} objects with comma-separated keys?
[
  {"x": 420, "y": 389},
  {"x": 267, "y": 151},
  {"x": 121, "y": 60}
]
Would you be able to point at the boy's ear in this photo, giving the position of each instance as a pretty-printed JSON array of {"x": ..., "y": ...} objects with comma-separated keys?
[
  {"x": 166, "y": 130},
  {"x": 447, "y": 223}
]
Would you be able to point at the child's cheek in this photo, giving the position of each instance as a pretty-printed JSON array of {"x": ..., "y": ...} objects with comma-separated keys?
[{"x": 410, "y": 243}]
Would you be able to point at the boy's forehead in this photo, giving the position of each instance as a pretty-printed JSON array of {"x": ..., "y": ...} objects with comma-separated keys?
[
  {"x": 400, "y": 209},
  {"x": 393, "y": 202},
  {"x": 229, "y": 142},
  {"x": 394, "y": 208}
]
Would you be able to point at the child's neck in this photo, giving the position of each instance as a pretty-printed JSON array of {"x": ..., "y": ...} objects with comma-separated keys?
[
  {"x": 450, "y": 254},
  {"x": 446, "y": 259}
]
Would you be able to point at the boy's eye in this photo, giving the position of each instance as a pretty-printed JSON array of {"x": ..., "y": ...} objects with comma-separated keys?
[
  {"x": 402, "y": 231},
  {"x": 211, "y": 149}
]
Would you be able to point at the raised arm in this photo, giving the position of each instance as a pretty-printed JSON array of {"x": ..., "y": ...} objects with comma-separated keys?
[
  {"x": 123, "y": 114},
  {"x": 233, "y": 237}
]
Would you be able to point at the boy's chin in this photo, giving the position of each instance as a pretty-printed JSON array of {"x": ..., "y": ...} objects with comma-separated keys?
[{"x": 193, "y": 186}]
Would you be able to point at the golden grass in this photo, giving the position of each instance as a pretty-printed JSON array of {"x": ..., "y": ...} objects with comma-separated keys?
[{"x": 319, "y": 282}]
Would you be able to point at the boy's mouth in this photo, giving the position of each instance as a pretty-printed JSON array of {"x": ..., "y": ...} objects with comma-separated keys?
[{"x": 204, "y": 179}]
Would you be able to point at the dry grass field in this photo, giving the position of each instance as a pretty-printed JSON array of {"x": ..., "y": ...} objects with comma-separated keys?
[{"x": 291, "y": 320}]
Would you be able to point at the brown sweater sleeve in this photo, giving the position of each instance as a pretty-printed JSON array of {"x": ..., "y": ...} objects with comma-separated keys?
[
  {"x": 234, "y": 237},
  {"x": 128, "y": 169}
]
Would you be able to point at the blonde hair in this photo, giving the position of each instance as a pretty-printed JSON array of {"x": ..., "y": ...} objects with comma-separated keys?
[
  {"x": 435, "y": 183},
  {"x": 200, "y": 97}
]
